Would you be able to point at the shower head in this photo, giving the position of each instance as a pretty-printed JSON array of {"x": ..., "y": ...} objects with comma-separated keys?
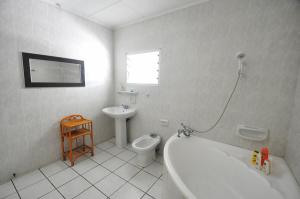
[{"x": 240, "y": 55}]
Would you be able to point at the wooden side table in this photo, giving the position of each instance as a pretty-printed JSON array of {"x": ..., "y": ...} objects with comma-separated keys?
[{"x": 73, "y": 127}]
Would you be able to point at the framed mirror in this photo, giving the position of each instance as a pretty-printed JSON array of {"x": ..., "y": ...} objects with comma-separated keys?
[{"x": 49, "y": 71}]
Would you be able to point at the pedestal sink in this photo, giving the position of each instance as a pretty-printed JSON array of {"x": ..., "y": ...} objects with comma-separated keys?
[{"x": 120, "y": 115}]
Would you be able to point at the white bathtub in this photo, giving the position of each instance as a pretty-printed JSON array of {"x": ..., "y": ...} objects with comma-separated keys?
[{"x": 198, "y": 168}]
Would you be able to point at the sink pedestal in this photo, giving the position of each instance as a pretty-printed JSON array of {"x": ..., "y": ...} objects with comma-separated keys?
[
  {"x": 121, "y": 132},
  {"x": 120, "y": 115}
]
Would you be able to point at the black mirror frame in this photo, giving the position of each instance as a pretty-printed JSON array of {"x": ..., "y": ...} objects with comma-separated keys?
[{"x": 27, "y": 76}]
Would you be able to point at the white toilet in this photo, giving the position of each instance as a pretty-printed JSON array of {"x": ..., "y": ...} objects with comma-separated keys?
[{"x": 145, "y": 147}]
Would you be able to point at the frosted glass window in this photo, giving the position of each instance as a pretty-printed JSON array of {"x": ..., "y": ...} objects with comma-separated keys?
[{"x": 143, "y": 68}]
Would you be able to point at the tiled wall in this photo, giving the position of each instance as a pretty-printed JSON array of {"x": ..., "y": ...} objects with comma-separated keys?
[
  {"x": 292, "y": 154},
  {"x": 198, "y": 69},
  {"x": 29, "y": 134}
]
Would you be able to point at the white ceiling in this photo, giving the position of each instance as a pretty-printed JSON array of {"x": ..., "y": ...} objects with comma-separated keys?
[{"x": 118, "y": 13}]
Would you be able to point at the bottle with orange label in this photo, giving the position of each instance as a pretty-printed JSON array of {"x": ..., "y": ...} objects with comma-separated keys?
[{"x": 261, "y": 160}]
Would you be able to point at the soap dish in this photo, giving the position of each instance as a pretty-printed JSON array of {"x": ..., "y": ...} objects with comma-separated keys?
[{"x": 252, "y": 133}]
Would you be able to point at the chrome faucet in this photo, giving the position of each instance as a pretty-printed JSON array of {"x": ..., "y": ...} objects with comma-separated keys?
[
  {"x": 185, "y": 131},
  {"x": 125, "y": 106}
]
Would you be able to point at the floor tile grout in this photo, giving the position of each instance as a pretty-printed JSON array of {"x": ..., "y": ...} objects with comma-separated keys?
[
  {"x": 52, "y": 185},
  {"x": 87, "y": 170},
  {"x": 151, "y": 187},
  {"x": 127, "y": 181},
  {"x": 151, "y": 173},
  {"x": 67, "y": 181},
  {"x": 131, "y": 163},
  {"x": 29, "y": 184},
  {"x": 113, "y": 172},
  {"x": 93, "y": 185},
  {"x": 41, "y": 179},
  {"x": 15, "y": 189},
  {"x": 100, "y": 164},
  {"x": 55, "y": 172}
]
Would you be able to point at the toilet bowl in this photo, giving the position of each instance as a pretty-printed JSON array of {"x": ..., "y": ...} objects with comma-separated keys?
[{"x": 145, "y": 148}]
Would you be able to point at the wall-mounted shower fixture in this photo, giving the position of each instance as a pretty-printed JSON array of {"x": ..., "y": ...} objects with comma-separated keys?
[
  {"x": 187, "y": 131},
  {"x": 240, "y": 56}
]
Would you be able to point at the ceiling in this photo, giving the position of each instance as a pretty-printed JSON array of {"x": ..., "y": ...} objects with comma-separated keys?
[{"x": 118, "y": 13}]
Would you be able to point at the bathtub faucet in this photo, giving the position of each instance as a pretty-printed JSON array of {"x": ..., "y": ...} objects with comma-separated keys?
[
  {"x": 185, "y": 131},
  {"x": 125, "y": 106}
]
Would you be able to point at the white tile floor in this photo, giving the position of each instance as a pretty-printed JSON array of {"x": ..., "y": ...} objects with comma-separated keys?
[{"x": 111, "y": 173}]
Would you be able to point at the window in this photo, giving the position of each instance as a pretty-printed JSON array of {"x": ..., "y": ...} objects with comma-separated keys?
[{"x": 143, "y": 68}]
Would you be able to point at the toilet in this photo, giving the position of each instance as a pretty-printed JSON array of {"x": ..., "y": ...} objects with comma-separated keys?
[{"x": 145, "y": 148}]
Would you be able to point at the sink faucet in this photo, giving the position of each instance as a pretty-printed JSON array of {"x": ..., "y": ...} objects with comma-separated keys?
[
  {"x": 125, "y": 106},
  {"x": 185, "y": 131}
]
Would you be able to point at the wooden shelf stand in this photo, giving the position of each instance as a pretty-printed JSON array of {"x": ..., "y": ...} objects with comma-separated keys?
[{"x": 71, "y": 128}]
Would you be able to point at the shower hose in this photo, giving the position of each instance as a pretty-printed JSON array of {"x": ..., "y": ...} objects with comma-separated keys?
[{"x": 222, "y": 113}]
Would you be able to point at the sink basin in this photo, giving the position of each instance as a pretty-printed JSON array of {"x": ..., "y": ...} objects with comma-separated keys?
[
  {"x": 120, "y": 115},
  {"x": 119, "y": 112}
]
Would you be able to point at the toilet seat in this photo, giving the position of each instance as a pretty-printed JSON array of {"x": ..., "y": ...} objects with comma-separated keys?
[{"x": 146, "y": 143}]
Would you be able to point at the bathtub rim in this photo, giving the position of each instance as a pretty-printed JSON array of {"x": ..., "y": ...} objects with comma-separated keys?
[
  {"x": 172, "y": 172},
  {"x": 285, "y": 183}
]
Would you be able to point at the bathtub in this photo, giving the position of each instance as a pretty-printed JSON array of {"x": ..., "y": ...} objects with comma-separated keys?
[{"x": 197, "y": 168}]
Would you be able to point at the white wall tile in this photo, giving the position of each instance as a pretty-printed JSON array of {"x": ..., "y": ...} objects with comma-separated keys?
[
  {"x": 292, "y": 154},
  {"x": 198, "y": 69},
  {"x": 32, "y": 115}
]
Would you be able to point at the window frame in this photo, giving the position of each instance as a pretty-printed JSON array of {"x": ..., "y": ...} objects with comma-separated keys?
[{"x": 141, "y": 52}]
